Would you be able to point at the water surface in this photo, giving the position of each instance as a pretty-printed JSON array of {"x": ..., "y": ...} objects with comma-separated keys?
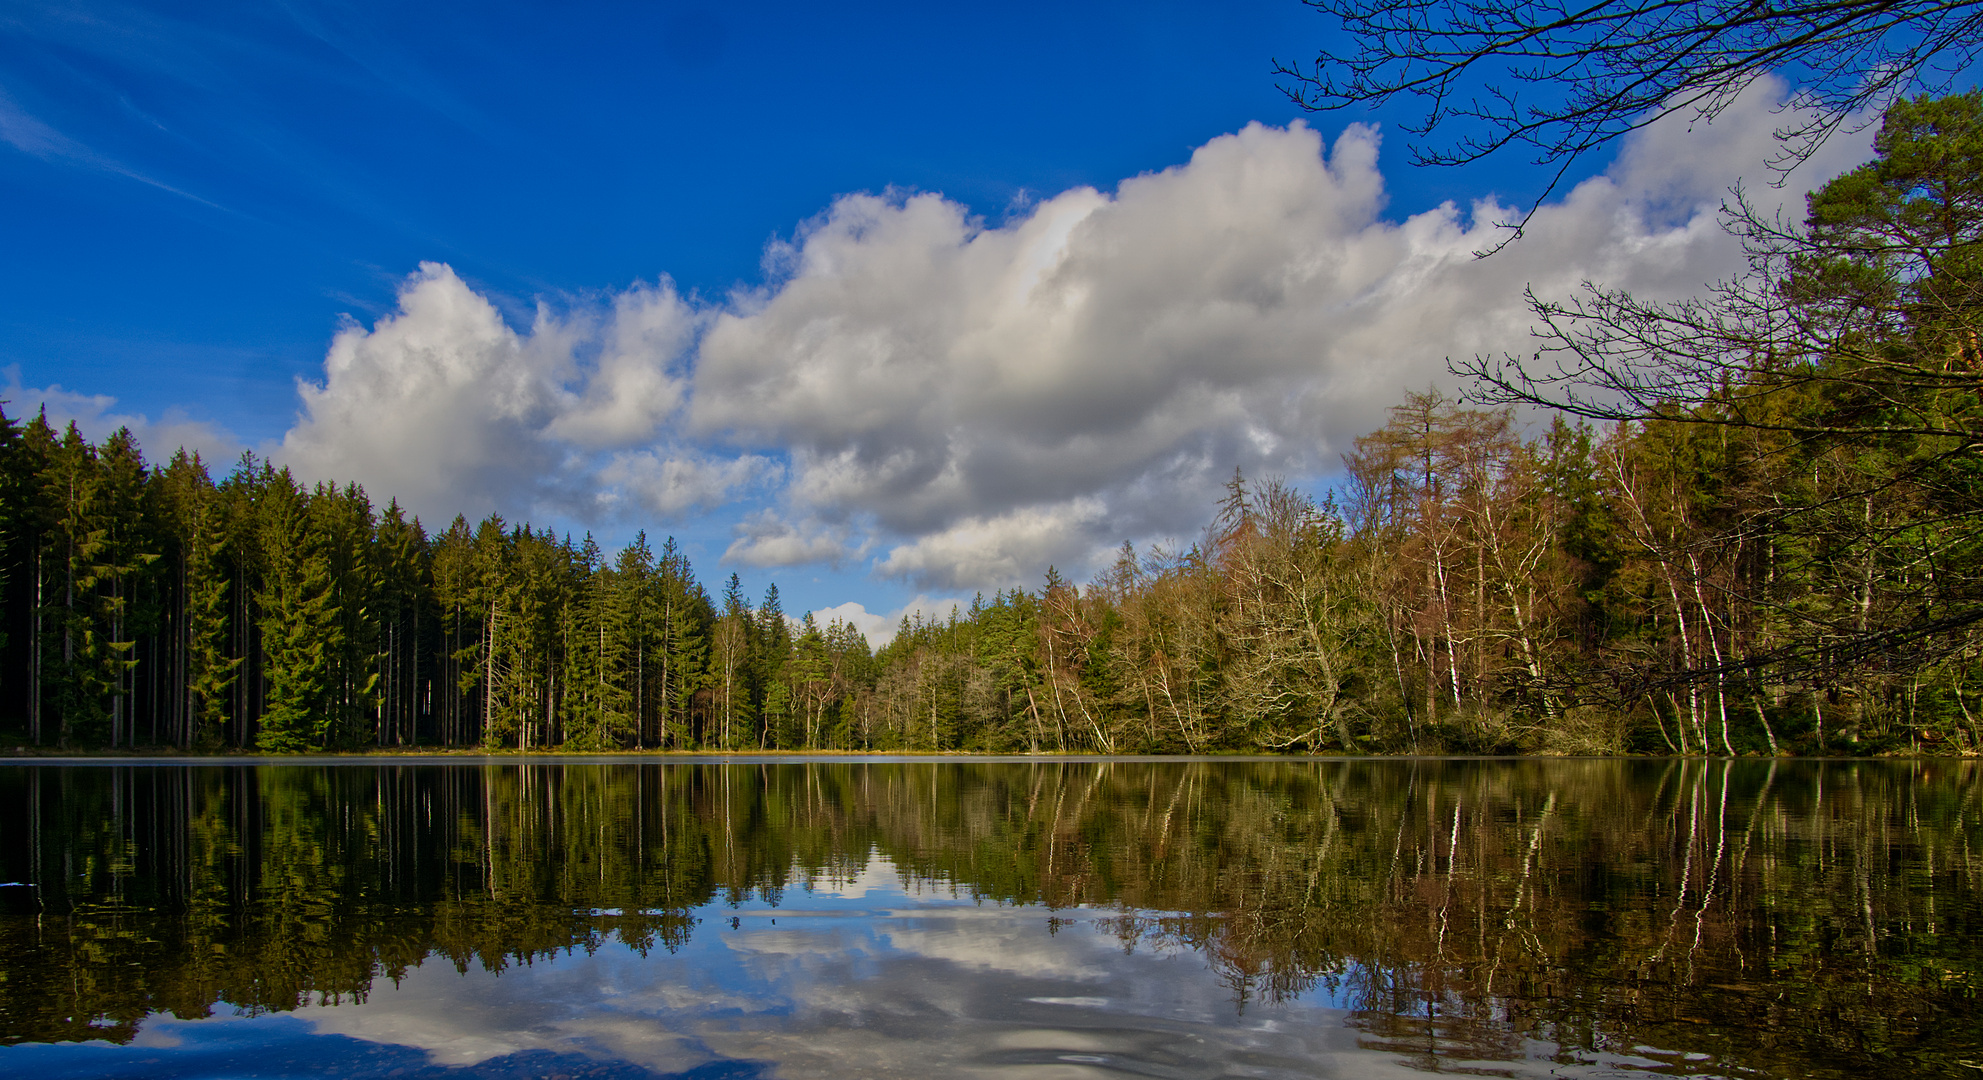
[{"x": 984, "y": 918}]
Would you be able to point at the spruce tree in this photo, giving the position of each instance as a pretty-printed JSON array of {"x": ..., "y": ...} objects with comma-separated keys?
[{"x": 301, "y": 623}]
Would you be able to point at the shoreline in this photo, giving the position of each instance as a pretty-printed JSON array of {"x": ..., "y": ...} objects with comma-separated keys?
[{"x": 422, "y": 756}]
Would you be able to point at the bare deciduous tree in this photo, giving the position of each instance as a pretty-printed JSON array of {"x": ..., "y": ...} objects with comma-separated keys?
[{"x": 1564, "y": 80}]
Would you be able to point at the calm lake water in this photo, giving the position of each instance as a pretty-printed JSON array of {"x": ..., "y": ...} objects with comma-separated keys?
[{"x": 1039, "y": 918}]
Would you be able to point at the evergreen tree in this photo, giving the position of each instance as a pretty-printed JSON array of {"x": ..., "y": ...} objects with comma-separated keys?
[
  {"x": 685, "y": 622},
  {"x": 301, "y": 622},
  {"x": 770, "y": 655},
  {"x": 731, "y": 650},
  {"x": 401, "y": 564},
  {"x": 207, "y": 673}
]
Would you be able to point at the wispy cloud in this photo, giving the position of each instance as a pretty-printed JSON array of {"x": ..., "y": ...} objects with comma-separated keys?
[
  {"x": 372, "y": 49},
  {"x": 30, "y": 135}
]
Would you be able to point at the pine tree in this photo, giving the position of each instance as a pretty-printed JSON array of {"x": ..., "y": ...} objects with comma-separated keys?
[
  {"x": 301, "y": 623},
  {"x": 405, "y": 583},
  {"x": 455, "y": 599},
  {"x": 631, "y": 606},
  {"x": 771, "y": 653},
  {"x": 486, "y": 671},
  {"x": 686, "y": 621},
  {"x": 203, "y": 669},
  {"x": 20, "y": 547},
  {"x": 730, "y": 658},
  {"x": 84, "y": 610},
  {"x": 810, "y": 677}
]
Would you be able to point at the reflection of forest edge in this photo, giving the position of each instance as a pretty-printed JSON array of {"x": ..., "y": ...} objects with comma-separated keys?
[{"x": 1800, "y": 918}]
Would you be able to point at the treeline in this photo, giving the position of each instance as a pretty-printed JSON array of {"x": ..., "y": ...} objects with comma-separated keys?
[
  {"x": 160, "y": 607},
  {"x": 1467, "y": 590},
  {"x": 1470, "y": 590},
  {"x": 1773, "y": 544}
]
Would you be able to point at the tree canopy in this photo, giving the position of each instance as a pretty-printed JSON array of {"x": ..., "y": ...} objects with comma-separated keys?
[
  {"x": 1562, "y": 81},
  {"x": 1847, "y": 358}
]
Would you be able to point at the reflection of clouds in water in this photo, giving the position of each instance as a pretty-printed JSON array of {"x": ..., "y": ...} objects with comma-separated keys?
[
  {"x": 607, "y": 1002},
  {"x": 876, "y": 874},
  {"x": 993, "y": 940},
  {"x": 860, "y": 978},
  {"x": 978, "y": 939},
  {"x": 604, "y": 1004},
  {"x": 939, "y": 990}
]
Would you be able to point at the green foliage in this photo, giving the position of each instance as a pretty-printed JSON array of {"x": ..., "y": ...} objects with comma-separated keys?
[
  {"x": 300, "y": 621},
  {"x": 154, "y": 605}
]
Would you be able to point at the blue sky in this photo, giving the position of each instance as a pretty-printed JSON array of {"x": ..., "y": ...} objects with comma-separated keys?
[{"x": 887, "y": 303}]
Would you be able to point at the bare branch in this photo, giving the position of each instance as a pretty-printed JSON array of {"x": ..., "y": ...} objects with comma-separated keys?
[{"x": 1566, "y": 80}]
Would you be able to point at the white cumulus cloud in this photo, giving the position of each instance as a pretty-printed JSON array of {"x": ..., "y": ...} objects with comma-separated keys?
[
  {"x": 878, "y": 627},
  {"x": 636, "y": 383},
  {"x": 965, "y": 404},
  {"x": 439, "y": 404},
  {"x": 96, "y": 416},
  {"x": 996, "y": 399},
  {"x": 444, "y": 406},
  {"x": 1015, "y": 546},
  {"x": 675, "y": 481},
  {"x": 766, "y": 539}
]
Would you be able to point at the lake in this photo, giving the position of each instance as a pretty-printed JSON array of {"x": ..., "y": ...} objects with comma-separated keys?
[{"x": 982, "y": 917}]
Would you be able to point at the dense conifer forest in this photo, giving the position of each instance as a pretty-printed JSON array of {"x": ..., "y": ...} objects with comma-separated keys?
[{"x": 1752, "y": 527}]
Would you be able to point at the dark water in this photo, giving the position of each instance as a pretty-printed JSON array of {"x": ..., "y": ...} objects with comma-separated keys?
[{"x": 1050, "y": 919}]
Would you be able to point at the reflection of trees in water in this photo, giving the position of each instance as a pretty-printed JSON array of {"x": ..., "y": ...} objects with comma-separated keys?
[{"x": 1794, "y": 917}]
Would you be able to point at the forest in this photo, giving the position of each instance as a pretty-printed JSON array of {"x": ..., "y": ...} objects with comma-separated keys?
[{"x": 1749, "y": 527}]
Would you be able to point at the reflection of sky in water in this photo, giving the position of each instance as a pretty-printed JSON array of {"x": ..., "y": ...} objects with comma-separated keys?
[{"x": 855, "y": 977}]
